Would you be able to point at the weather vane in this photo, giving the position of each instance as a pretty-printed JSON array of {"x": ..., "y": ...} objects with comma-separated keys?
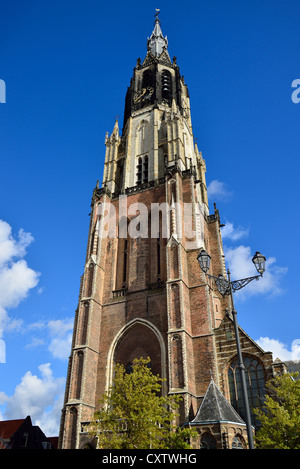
[{"x": 157, "y": 12}]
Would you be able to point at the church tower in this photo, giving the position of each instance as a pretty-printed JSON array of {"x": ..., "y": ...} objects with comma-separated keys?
[{"x": 142, "y": 292}]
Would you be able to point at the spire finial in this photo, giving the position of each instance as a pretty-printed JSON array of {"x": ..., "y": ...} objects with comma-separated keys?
[{"x": 157, "y": 13}]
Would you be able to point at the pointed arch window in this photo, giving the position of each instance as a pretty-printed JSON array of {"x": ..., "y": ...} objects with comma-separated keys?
[
  {"x": 238, "y": 443},
  {"x": 255, "y": 380},
  {"x": 208, "y": 441},
  {"x": 159, "y": 247},
  {"x": 125, "y": 258}
]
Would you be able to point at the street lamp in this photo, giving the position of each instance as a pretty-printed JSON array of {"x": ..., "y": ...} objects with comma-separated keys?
[{"x": 227, "y": 287}]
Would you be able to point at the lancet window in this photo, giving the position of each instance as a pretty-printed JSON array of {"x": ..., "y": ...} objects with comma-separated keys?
[{"x": 255, "y": 380}]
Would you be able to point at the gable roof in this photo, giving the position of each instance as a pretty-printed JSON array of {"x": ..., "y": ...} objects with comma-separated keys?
[
  {"x": 9, "y": 427},
  {"x": 215, "y": 408}
]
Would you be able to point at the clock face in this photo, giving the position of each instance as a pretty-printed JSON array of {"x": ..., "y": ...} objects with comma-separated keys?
[{"x": 143, "y": 95}]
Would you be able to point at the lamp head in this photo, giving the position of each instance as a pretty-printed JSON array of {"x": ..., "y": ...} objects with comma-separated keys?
[
  {"x": 259, "y": 261},
  {"x": 204, "y": 260}
]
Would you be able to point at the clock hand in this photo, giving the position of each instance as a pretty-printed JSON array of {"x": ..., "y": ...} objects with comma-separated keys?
[{"x": 138, "y": 98}]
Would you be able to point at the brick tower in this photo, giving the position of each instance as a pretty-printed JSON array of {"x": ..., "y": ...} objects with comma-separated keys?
[{"x": 142, "y": 292}]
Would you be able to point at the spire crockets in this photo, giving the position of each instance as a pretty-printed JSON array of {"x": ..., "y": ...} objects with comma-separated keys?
[{"x": 157, "y": 41}]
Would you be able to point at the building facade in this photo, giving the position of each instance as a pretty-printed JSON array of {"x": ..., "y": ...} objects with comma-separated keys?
[
  {"x": 21, "y": 434},
  {"x": 142, "y": 292}
]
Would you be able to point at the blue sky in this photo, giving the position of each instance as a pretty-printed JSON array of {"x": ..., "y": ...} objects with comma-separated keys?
[{"x": 66, "y": 66}]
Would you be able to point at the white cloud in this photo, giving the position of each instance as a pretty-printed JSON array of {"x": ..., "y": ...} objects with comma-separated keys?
[
  {"x": 15, "y": 282},
  {"x": 16, "y": 278},
  {"x": 230, "y": 232},
  {"x": 240, "y": 264},
  {"x": 35, "y": 342},
  {"x": 60, "y": 327},
  {"x": 36, "y": 325},
  {"x": 40, "y": 397},
  {"x": 56, "y": 336},
  {"x": 10, "y": 247},
  {"x": 279, "y": 349},
  {"x": 61, "y": 333},
  {"x": 218, "y": 190}
]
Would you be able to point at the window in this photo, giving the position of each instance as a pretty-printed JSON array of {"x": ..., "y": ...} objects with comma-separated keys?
[
  {"x": 46, "y": 445},
  {"x": 123, "y": 258},
  {"x": 125, "y": 252},
  {"x": 237, "y": 443},
  {"x": 159, "y": 247},
  {"x": 208, "y": 441},
  {"x": 255, "y": 381},
  {"x": 142, "y": 173},
  {"x": 25, "y": 439},
  {"x": 139, "y": 171},
  {"x": 145, "y": 178}
]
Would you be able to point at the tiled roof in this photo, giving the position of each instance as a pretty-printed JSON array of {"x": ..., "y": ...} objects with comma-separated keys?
[
  {"x": 9, "y": 427},
  {"x": 215, "y": 408},
  {"x": 293, "y": 366}
]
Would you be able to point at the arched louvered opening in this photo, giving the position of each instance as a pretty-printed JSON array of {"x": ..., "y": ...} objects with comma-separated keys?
[
  {"x": 148, "y": 79},
  {"x": 166, "y": 86}
]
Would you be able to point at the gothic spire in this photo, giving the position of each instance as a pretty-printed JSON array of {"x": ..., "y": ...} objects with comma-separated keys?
[{"x": 157, "y": 41}]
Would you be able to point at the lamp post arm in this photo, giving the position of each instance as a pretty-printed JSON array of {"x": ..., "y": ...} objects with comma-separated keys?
[
  {"x": 238, "y": 284},
  {"x": 235, "y": 285}
]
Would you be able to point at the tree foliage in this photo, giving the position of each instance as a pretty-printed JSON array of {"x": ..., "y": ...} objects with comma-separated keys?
[
  {"x": 134, "y": 415},
  {"x": 280, "y": 416}
]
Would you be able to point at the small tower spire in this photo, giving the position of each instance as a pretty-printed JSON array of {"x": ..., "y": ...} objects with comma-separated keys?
[{"x": 157, "y": 41}]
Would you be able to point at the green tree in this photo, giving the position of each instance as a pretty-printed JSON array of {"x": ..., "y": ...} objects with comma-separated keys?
[
  {"x": 134, "y": 415},
  {"x": 280, "y": 415}
]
